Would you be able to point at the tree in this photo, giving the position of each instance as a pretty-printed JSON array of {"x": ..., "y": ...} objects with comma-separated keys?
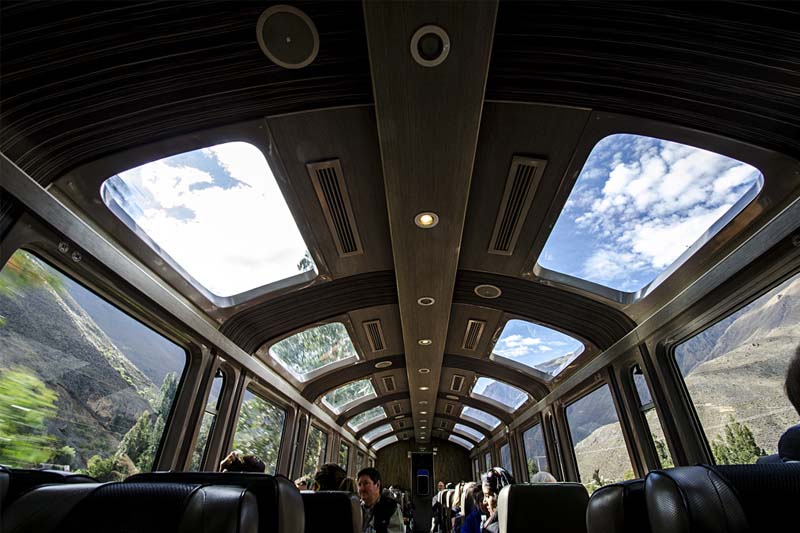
[
  {"x": 306, "y": 263},
  {"x": 533, "y": 468},
  {"x": 663, "y": 454},
  {"x": 314, "y": 347},
  {"x": 24, "y": 270},
  {"x": 259, "y": 430},
  {"x": 738, "y": 446},
  {"x": 596, "y": 482},
  {"x": 115, "y": 468},
  {"x": 63, "y": 456},
  {"x": 26, "y": 404}
]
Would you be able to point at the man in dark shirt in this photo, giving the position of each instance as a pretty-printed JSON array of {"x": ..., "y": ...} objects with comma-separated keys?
[{"x": 381, "y": 514}]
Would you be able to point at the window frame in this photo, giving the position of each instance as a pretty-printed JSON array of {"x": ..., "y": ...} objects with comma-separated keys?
[
  {"x": 496, "y": 403},
  {"x": 536, "y": 421},
  {"x": 352, "y": 403}
]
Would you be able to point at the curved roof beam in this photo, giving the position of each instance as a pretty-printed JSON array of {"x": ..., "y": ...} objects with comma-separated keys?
[
  {"x": 441, "y": 430},
  {"x": 378, "y": 423},
  {"x": 504, "y": 416},
  {"x": 341, "y": 376},
  {"x": 537, "y": 388},
  {"x": 369, "y": 404},
  {"x": 469, "y": 423}
]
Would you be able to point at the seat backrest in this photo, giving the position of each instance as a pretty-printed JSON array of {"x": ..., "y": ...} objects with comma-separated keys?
[
  {"x": 279, "y": 502},
  {"x": 21, "y": 480},
  {"x": 332, "y": 511},
  {"x": 619, "y": 507},
  {"x": 543, "y": 507},
  {"x": 134, "y": 507},
  {"x": 692, "y": 498}
]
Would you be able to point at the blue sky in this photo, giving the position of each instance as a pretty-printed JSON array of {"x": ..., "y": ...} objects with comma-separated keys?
[
  {"x": 533, "y": 344},
  {"x": 481, "y": 416},
  {"x": 639, "y": 203},
  {"x": 219, "y": 214}
]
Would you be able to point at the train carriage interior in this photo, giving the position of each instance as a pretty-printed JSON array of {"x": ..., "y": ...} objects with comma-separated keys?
[{"x": 552, "y": 248}]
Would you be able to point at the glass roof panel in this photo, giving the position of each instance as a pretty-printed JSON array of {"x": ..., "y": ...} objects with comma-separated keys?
[
  {"x": 463, "y": 442},
  {"x": 500, "y": 392},
  {"x": 480, "y": 416},
  {"x": 639, "y": 207},
  {"x": 369, "y": 436},
  {"x": 313, "y": 348},
  {"x": 338, "y": 398},
  {"x": 217, "y": 214},
  {"x": 474, "y": 433},
  {"x": 537, "y": 346},
  {"x": 367, "y": 417},
  {"x": 384, "y": 442}
]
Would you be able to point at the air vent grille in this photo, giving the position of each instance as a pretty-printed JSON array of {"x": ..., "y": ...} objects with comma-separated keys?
[
  {"x": 374, "y": 332},
  {"x": 448, "y": 408},
  {"x": 521, "y": 184},
  {"x": 389, "y": 384},
  {"x": 397, "y": 409},
  {"x": 473, "y": 334},
  {"x": 457, "y": 383},
  {"x": 329, "y": 184}
]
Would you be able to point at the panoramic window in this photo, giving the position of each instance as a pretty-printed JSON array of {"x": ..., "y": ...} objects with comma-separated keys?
[
  {"x": 735, "y": 371},
  {"x": 83, "y": 386},
  {"x": 313, "y": 349},
  {"x": 648, "y": 410},
  {"x": 597, "y": 437},
  {"x": 316, "y": 450},
  {"x": 371, "y": 435},
  {"x": 537, "y": 346},
  {"x": 466, "y": 430},
  {"x": 500, "y": 392},
  {"x": 482, "y": 417},
  {"x": 505, "y": 457},
  {"x": 367, "y": 417},
  {"x": 381, "y": 443},
  {"x": 260, "y": 429},
  {"x": 217, "y": 214},
  {"x": 641, "y": 206},
  {"x": 460, "y": 441},
  {"x": 535, "y": 451},
  {"x": 337, "y": 399},
  {"x": 344, "y": 455},
  {"x": 209, "y": 418}
]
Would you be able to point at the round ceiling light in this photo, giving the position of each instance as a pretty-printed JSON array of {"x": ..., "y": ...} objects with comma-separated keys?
[
  {"x": 430, "y": 45},
  {"x": 426, "y": 301},
  {"x": 287, "y": 36},
  {"x": 426, "y": 219},
  {"x": 383, "y": 364},
  {"x": 423, "y": 412},
  {"x": 424, "y": 370},
  {"x": 424, "y": 342},
  {"x": 424, "y": 388},
  {"x": 452, "y": 397},
  {"x": 488, "y": 291}
]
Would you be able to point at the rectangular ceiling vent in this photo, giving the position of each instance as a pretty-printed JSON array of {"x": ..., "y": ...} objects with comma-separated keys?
[
  {"x": 521, "y": 184},
  {"x": 389, "y": 384},
  {"x": 448, "y": 408},
  {"x": 443, "y": 424},
  {"x": 374, "y": 332},
  {"x": 401, "y": 424},
  {"x": 473, "y": 334},
  {"x": 397, "y": 409},
  {"x": 457, "y": 383},
  {"x": 329, "y": 184}
]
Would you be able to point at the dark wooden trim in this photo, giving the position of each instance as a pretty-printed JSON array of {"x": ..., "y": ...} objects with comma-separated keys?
[
  {"x": 493, "y": 410},
  {"x": 336, "y": 378},
  {"x": 485, "y": 367},
  {"x": 369, "y": 404},
  {"x": 486, "y": 433}
]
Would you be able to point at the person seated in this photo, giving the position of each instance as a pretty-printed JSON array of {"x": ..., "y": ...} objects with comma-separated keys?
[
  {"x": 495, "y": 479},
  {"x": 474, "y": 509},
  {"x": 236, "y": 462},
  {"x": 543, "y": 477},
  {"x": 330, "y": 477},
  {"x": 492, "y": 524},
  {"x": 789, "y": 443},
  {"x": 348, "y": 485},
  {"x": 304, "y": 483},
  {"x": 380, "y": 514}
]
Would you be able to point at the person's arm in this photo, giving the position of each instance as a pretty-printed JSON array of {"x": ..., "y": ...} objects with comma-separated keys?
[{"x": 396, "y": 522}]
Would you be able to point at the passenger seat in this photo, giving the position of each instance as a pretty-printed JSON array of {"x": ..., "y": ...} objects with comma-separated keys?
[
  {"x": 332, "y": 511},
  {"x": 543, "y": 507},
  {"x": 618, "y": 508}
]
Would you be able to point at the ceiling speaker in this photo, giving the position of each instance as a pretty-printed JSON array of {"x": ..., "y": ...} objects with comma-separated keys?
[{"x": 287, "y": 36}]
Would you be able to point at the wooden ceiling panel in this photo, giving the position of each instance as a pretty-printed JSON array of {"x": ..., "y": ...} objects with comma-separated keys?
[
  {"x": 487, "y": 320},
  {"x": 390, "y": 330}
]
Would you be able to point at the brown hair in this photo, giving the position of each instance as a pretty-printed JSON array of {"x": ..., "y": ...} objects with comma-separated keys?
[{"x": 793, "y": 381}]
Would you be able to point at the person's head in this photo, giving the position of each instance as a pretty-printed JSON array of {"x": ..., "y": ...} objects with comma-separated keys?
[
  {"x": 348, "y": 485},
  {"x": 301, "y": 483},
  {"x": 495, "y": 479},
  {"x": 330, "y": 477},
  {"x": 793, "y": 381},
  {"x": 467, "y": 498},
  {"x": 474, "y": 498},
  {"x": 457, "y": 495},
  {"x": 440, "y": 486},
  {"x": 491, "y": 503},
  {"x": 543, "y": 477},
  {"x": 236, "y": 462},
  {"x": 369, "y": 486}
]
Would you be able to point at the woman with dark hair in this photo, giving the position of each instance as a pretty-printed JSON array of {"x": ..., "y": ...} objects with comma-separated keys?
[{"x": 473, "y": 509}]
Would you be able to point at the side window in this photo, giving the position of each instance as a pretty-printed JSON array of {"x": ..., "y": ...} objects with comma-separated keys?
[
  {"x": 598, "y": 441},
  {"x": 487, "y": 458},
  {"x": 359, "y": 461},
  {"x": 505, "y": 457},
  {"x": 316, "y": 450},
  {"x": 648, "y": 410},
  {"x": 260, "y": 429},
  {"x": 735, "y": 372},
  {"x": 535, "y": 450},
  {"x": 344, "y": 455},
  {"x": 83, "y": 386},
  {"x": 476, "y": 468},
  {"x": 209, "y": 420}
]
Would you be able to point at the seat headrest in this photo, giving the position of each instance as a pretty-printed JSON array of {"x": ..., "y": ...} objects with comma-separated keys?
[
  {"x": 21, "y": 480},
  {"x": 789, "y": 444},
  {"x": 332, "y": 511},
  {"x": 523, "y": 508},
  {"x": 692, "y": 498},
  {"x": 619, "y": 507}
]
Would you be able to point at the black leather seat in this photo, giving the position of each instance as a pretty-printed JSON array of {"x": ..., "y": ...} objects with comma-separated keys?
[
  {"x": 619, "y": 508},
  {"x": 15, "y": 482},
  {"x": 332, "y": 511},
  {"x": 280, "y": 505},
  {"x": 543, "y": 507},
  {"x": 134, "y": 507}
]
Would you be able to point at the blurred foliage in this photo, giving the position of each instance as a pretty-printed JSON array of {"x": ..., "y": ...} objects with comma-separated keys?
[
  {"x": 26, "y": 404},
  {"x": 259, "y": 430}
]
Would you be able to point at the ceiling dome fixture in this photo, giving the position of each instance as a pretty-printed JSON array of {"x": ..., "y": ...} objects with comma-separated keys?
[
  {"x": 426, "y": 301},
  {"x": 383, "y": 364},
  {"x": 430, "y": 45},
  {"x": 287, "y": 36},
  {"x": 488, "y": 291},
  {"x": 424, "y": 342},
  {"x": 426, "y": 219}
]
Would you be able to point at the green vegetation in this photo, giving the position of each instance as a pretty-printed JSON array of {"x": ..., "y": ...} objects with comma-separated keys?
[
  {"x": 26, "y": 405},
  {"x": 315, "y": 451},
  {"x": 597, "y": 481},
  {"x": 347, "y": 393},
  {"x": 23, "y": 270},
  {"x": 663, "y": 453},
  {"x": 738, "y": 446},
  {"x": 314, "y": 348},
  {"x": 259, "y": 430}
]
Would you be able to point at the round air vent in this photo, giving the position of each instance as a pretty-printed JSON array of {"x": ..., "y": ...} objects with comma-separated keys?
[
  {"x": 287, "y": 36},
  {"x": 488, "y": 291},
  {"x": 430, "y": 45}
]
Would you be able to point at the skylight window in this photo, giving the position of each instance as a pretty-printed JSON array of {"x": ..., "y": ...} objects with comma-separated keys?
[
  {"x": 314, "y": 348},
  {"x": 385, "y": 442},
  {"x": 339, "y": 398},
  {"x": 500, "y": 392},
  {"x": 216, "y": 214},
  {"x": 371, "y": 435},
  {"x": 466, "y": 430},
  {"x": 537, "y": 346},
  {"x": 476, "y": 415},
  {"x": 641, "y": 206},
  {"x": 367, "y": 417},
  {"x": 461, "y": 442}
]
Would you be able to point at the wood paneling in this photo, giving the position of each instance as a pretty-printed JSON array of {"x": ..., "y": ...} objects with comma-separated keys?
[{"x": 451, "y": 463}]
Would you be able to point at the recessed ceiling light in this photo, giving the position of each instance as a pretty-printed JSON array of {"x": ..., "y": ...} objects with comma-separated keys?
[
  {"x": 424, "y": 388},
  {"x": 452, "y": 397},
  {"x": 426, "y": 219},
  {"x": 383, "y": 364},
  {"x": 424, "y": 342},
  {"x": 426, "y": 301},
  {"x": 423, "y": 402},
  {"x": 423, "y": 412},
  {"x": 398, "y": 417},
  {"x": 488, "y": 291},
  {"x": 424, "y": 370}
]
